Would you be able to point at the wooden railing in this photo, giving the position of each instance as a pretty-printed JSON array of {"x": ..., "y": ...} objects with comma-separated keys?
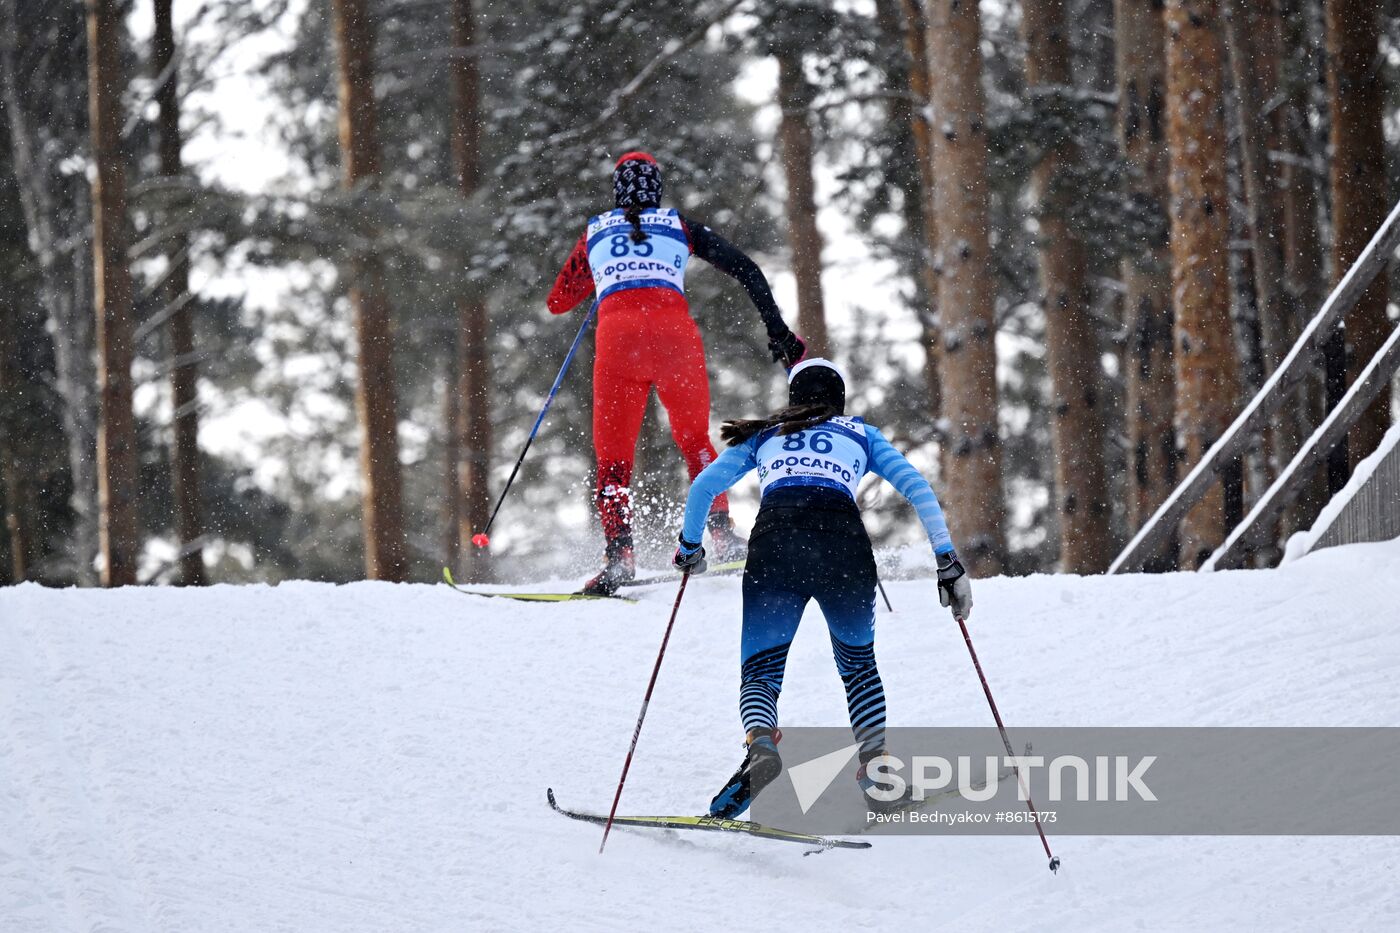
[{"x": 1158, "y": 529}]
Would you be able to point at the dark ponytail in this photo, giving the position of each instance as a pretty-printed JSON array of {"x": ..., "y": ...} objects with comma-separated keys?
[
  {"x": 788, "y": 420},
  {"x": 634, "y": 217}
]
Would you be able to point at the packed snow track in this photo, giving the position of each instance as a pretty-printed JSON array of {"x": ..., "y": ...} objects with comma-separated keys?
[{"x": 374, "y": 757}]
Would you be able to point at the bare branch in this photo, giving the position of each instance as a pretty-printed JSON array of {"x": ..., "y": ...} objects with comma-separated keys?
[{"x": 669, "y": 51}]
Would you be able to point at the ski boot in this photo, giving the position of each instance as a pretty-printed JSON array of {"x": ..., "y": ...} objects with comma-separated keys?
[
  {"x": 620, "y": 568},
  {"x": 868, "y": 785},
  {"x": 728, "y": 545},
  {"x": 761, "y": 766}
]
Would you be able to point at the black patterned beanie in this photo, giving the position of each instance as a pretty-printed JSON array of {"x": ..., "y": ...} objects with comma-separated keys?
[{"x": 637, "y": 181}]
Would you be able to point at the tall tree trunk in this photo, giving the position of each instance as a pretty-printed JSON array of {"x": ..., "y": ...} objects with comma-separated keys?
[
  {"x": 376, "y": 397},
  {"x": 57, "y": 214},
  {"x": 473, "y": 422},
  {"x": 116, "y": 432},
  {"x": 1359, "y": 188},
  {"x": 1207, "y": 388},
  {"x": 452, "y": 455},
  {"x": 1305, "y": 277},
  {"x": 966, "y": 292},
  {"x": 1249, "y": 343},
  {"x": 1151, "y": 380},
  {"x": 1255, "y": 46},
  {"x": 1072, "y": 346},
  {"x": 16, "y": 514},
  {"x": 1255, "y": 33},
  {"x": 914, "y": 28},
  {"x": 184, "y": 452},
  {"x": 1305, "y": 273},
  {"x": 795, "y": 97}
]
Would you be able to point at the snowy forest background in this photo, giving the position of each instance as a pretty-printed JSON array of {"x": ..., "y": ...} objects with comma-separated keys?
[{"x": 226, "y": 169}]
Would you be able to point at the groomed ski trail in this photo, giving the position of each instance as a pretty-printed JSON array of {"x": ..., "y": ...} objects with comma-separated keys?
[{"x": 372, "y": 757}]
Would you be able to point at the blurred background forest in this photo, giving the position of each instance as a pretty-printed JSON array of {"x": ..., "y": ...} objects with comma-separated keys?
[{"x": 272, "y": 272}]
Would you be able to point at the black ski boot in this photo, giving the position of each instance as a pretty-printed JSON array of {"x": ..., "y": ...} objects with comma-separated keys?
[
  {"x": 761, "y": 766},
  {"x": 868, "y": 787},
  {"x": 728, "y": 545},
  {"x": 620, "y": 568}
]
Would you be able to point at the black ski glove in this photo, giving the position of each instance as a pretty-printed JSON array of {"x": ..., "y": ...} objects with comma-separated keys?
[
  {"x": 787, "y": 348},
  {"x": 954, "y": 588},
  {"x": 690, "y": 558}
]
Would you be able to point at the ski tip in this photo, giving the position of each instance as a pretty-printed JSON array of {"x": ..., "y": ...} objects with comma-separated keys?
[
  {"x": 549, "y": 795},
  {"x": 447, "y": 576},
  {"x": 826, "y": 844}
]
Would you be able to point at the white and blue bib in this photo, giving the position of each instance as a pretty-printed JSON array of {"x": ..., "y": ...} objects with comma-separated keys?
[
  {"x": 657, "y": 261},
  {"x": 834, "y": 454}
]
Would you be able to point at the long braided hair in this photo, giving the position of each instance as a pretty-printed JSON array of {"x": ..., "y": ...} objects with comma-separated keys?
[
  {"x": 816, "y": 393},
  {"x": 636, "y": 186},
  {"x": 787, "y": 420}
]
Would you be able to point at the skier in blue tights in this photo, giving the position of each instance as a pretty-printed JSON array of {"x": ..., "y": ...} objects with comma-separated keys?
[{"x": 808, "y": 543}]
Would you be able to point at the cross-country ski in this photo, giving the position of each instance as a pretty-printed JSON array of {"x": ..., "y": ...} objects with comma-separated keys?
[
  {"x": 529, "y": 597},
  {"x": 709, "y": 824},
  {"x": 731, "y": 568}
]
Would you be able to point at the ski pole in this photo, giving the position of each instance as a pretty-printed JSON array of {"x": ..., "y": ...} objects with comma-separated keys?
[
  {"x": 482, "y": 538},
  {"x": 1054, "y": 861},
  {"x": 646, "y": 700},
  {"x": 883, "y": 595}
]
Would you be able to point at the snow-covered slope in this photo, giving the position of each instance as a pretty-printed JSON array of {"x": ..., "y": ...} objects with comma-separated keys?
[{"x": 374, "y": 757}]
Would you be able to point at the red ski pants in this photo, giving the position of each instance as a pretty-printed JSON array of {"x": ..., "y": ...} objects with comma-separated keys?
[{"x": 646, "y": 338}]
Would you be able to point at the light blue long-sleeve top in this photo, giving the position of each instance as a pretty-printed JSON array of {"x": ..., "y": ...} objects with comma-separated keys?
[{"x": 884, "y": 461}]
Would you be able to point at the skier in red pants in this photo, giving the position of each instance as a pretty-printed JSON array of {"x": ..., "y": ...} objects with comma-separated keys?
[{"x": 635, "y": 258}]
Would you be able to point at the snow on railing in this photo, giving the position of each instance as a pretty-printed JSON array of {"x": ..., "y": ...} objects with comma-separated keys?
[
  {"x": 1253, "y": 419},
  {"x": 1374, "y": 379}
]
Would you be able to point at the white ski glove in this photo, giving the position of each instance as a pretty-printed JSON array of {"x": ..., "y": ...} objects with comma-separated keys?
[{"x": 954, "y": 588}]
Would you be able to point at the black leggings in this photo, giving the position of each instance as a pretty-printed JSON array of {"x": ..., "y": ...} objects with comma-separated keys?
[{"x": 801, "y": 552}]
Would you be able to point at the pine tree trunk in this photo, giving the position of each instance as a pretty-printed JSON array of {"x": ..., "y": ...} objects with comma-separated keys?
[
  {"x": 1255, "y": 46},
  {"x": 16, "y": 513},
  {"x": 184, "y": 453},
  {"x": 474, "y": 420},
  {"x": 452, "y": 480},
  {"x": 1360, "y": 192},
  {"x": 376, "y": 401},
  {"x": 473, "y": 423},
  {"x": 966, "y": 292},
  {"x": 1072, "y": 346},
  {"x": 11, "y": 475},
  {"x": 1255, "y": 31},
  {"x": 1255, "y": 38},
  {"x": 914, "y": 29},
  {"x": 116, "y": 432},
  {"x": 1249, "y": 343},
  {"x": 795, "y": 96},
  {"x": 1304, "y": 270},
  {"x": 57, "y": 213},
  {"x": 1305, "y": 277},
  {"x": 1147, "y": 300},
  {"x": 1207, "y": 387}
]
